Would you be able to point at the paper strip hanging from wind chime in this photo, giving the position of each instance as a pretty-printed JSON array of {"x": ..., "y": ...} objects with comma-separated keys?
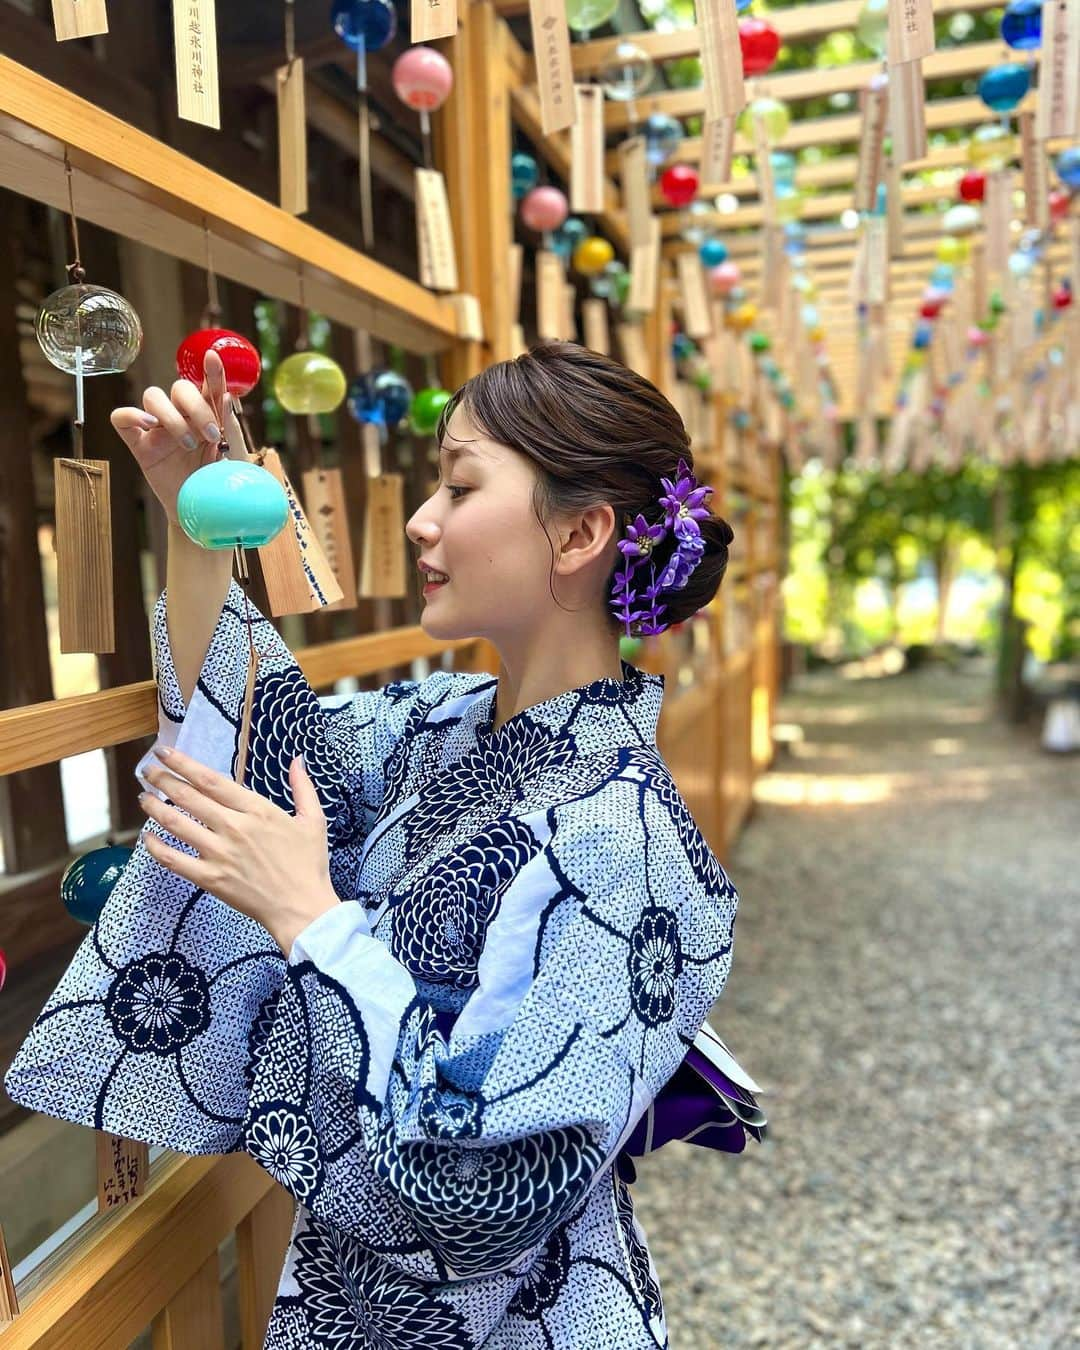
[
  {"x": 79, "y": 18},
  {"x": 195, "y": 44},
  {"x": 292, "y": 123}
]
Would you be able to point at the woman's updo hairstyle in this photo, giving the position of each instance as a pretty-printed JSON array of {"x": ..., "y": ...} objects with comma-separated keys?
[{"x": 596, "y": 432}]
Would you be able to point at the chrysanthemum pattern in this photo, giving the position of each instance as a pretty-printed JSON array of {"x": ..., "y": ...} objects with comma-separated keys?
[
  {"x": 352, "y": 1300},
  {"x": 283, "y": 1142},
  {"x": 439, "y": 922},
  {"x": 158, "y": 1003},
  {"x": 490, "y": 778},
  {"x": 655, "y": 963},
  {"x": 545, "y": 1281}
]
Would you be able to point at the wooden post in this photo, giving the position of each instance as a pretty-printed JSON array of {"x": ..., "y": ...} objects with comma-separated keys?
[{"x": 31, "y": 804}]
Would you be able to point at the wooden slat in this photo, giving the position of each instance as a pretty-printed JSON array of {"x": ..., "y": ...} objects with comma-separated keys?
[
  {"x": 194, "y": 1315},
  {"x": 122, "y": 1271},
  {"x": 44, "y": 732},
  {"x": 261, "y": 1241},
  {"x": 972, "y": 58},
  {"x": 162, "y": 198}
]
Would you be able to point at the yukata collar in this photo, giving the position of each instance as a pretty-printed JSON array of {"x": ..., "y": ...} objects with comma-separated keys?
[{"x": 626, "y": 708}]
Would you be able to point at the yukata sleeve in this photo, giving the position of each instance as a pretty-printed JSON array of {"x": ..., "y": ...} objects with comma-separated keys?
[
  {"x": 601, "y": 962},
  {"x": 150, "y": 1031}
]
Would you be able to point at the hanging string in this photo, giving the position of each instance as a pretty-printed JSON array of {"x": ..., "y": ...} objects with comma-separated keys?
[
  {"x": 367, "y": 219},
  {"x": 290, "y": 35},
  {"x": 76, "y": 276}
]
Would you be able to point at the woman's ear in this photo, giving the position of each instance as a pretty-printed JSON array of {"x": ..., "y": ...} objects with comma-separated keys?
[{"x": 589, "y": 538}]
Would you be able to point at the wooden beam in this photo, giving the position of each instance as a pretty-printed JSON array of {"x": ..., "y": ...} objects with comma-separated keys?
[
  {"x": 822, "y": 207},
  {"x": 844, "y": 129},
  {"x": 163, "y": 199},
  {"x": 793, "y": 86}
]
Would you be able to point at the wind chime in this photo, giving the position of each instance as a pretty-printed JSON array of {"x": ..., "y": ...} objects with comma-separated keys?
[{"x": 85, "y": 330}]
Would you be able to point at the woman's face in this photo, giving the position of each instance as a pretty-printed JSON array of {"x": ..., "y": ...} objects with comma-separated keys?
[{"x": 480, "y": 529}]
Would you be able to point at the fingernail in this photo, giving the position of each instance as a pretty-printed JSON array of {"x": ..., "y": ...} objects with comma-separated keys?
[
  {"x": 148, "y": 420},
  {"x": 212, "y": 432},
  {"x": 162, "y": 751},
  {"x": 142, "y": 797},
  {"x": 188, "y": 441}
]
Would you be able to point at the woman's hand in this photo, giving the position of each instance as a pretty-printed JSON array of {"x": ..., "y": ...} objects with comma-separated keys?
[
  {"x": 174, "y": 434},
  {"x": 252, "y": 855}
]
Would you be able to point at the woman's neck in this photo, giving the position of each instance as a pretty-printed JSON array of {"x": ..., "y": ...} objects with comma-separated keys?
[{"x": 551, "y": 668}]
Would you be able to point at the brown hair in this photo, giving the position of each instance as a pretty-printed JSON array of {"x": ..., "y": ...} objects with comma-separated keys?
[{"x": 596, "y": 432}]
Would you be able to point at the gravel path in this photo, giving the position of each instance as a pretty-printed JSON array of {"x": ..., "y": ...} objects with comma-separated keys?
[{"x": 905, "y": 989}]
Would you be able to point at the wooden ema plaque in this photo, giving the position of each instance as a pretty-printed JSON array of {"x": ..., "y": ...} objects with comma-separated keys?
[
  {"x": 324, "y": 493},
  {"x": 645, "y": 271},
  {"x": 382, "y": 571},
  {"x": 695, "y": 298},
  {"x": 717, "y": 147},
  {"x": 551, "y": 49},
  {"x": 595, "y": 316},
  {"x": 721, "y": 61},
  {"x": 877, "y": 260},
  {"x": 84, "y": 563},
  {"x": 911, "y": 31},
  {"x": 1033, "y": 164},
  {"x": 292, "y": 137},
  {"x": 550, "y": 298},
  {"x": 434, "y": 233},
  {"x": 894, "y": 207},
  {"x": 123, "y": 1166},
  {"x": 470, "y": 318},
  {"x": 874, "y": 107},
  {"x": 430, "y": 19},
  {"x": 79, "y": 18},
  {"x": 1058, "y": 112},
  {"x": 635, "y": 184},
  {"x": 907, "y": 112},
  {"x": 587, "y": 150},
  {"x": 297, "y": 575},
  {"x": 195, "y": 42}
]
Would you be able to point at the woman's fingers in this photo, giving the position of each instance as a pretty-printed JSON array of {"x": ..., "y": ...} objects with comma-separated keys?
[
  {"x": 157, "y": 402},
  {"x": 130, "y": 424},
  {"x": 199, "y": 414},
  {"x": 215, "y": 389},
  {"x": 180, "y": 826}
]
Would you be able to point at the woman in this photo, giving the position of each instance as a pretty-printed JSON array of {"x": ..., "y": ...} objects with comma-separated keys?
[{"x": 434, "y": 963}]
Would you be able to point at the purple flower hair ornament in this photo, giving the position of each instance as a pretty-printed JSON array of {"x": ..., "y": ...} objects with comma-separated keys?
[{"x": 635, "y": 604}]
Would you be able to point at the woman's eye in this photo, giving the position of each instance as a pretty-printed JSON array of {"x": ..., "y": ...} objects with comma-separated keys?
[{"x": 454, "y": 491}]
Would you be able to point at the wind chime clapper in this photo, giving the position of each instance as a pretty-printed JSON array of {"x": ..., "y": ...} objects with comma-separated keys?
[{"x": 85, "y": 330}]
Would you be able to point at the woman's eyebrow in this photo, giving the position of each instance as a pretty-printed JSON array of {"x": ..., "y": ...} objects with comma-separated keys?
[{"x": 457, "y": 451}]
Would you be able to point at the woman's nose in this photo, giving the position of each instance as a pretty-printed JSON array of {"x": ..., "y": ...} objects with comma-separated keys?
[{"x": 422, "y": 527}]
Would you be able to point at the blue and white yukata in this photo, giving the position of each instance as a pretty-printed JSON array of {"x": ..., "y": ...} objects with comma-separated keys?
[{"x": 445, "y": 1069}]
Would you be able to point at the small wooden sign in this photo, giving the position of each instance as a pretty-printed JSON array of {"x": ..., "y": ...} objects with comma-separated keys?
[
  {"x": 763, "y": 172},
  {"x": 292, "y": 137},
  {"x": 84, "y": 561},
  {"x": 907, "y": 111},
  {"x": 1058, "y": 109},
  {"x": 569, "y": 332},
  {"x": 587, "y": 150},
  {"x": 877, "y": 259},
  {"x": 429, "y": 19},
  {"x": 1033, "y": 165},
  {"x": 9, "y": 1299},
  {"x": 551, "y": 49},
  {"x": 382, "y": 572},
  {"x": 296, "y": 572},
  {"x": 721, "y": 60},
  {"x": 695, "y": 297},
  {"x": 874, "y": 107},
  {"x": 324, "y": 495},
  {"x": 645, "y": 272},
  {"x": 717, "y": 148},
  {"x": 195, "y": 43},
  {"x": 123, "y": 1166},
  {"x": 635, "y": 184},
  {"x": 632, "y": 346},
  {"x": 894, "y": 207},
  {"x": 517, "y": 254},
  {"x": 911, "y": 31},
  {"x": 595, "y": 316},
  {"x": 997, "y": 213},
  {"x": 550, "y": 299},
  {"x": 470, "y": 318},
  {"x": 79, "y": 18},
  {"x": 434, "y": 232}
]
